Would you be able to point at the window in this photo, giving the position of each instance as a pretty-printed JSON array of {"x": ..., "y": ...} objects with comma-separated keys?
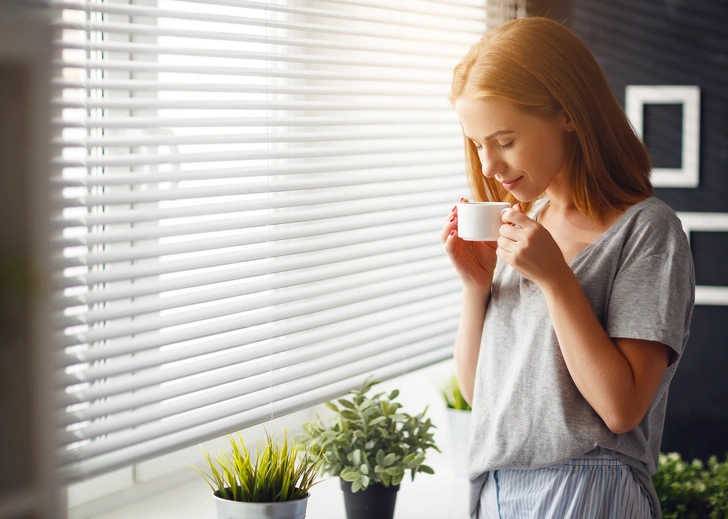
[{"x": 247, "y": 197}]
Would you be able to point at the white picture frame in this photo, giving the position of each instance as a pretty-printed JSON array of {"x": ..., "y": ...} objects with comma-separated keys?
[
  {"x": 636, "y": 96},
  {"x": 706, "y": 222}
]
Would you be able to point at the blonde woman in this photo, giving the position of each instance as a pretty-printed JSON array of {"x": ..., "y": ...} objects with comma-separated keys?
[{"x": 574, "y": 321}]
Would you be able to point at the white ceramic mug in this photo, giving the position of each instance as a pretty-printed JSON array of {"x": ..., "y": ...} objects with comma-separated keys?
[{"x": 480, "y": 221}]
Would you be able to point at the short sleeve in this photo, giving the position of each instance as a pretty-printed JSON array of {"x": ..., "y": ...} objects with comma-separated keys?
[{"x": 653, "y": 300}]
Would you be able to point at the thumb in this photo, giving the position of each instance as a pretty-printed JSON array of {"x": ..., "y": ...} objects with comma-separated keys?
[{"x": 517, "y": 207}]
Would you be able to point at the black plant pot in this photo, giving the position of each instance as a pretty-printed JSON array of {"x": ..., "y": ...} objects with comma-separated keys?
[{"x": 376, "y": 502}]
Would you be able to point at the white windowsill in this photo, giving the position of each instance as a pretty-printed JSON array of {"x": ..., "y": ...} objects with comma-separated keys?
[{"x": 428, "y": 497}]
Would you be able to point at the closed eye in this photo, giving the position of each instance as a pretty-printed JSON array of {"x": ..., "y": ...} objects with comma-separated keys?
[{"x": 500, "y": 146}]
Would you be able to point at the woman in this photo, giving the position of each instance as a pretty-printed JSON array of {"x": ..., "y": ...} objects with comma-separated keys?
[{"x": 574, "y": 321}]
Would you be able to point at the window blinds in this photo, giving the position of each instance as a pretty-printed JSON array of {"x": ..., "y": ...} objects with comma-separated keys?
[{"x": 247, "y": 204}]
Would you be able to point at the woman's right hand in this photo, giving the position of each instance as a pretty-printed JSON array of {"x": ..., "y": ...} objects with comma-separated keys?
[{"x": 474, "y": 261}]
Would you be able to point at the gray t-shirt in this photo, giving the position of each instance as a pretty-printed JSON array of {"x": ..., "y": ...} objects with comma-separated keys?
[{"x": 527, "y": 411}]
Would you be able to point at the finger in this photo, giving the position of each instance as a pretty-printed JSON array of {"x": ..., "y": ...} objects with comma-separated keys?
[
  {"x": 449, "y": 226},
  {"x": 450, "y": 241},
  {"x": 505, "y": 244},
  {"x": 509, "y": 231},
  {"x": 503, "y": 254},
  {"x": 450, "y": 218},
  {"x": 454, "y": 210},
  {"x": 515, "y": 217}
]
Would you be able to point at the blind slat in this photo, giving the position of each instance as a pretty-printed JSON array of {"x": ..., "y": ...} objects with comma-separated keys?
[
  {"x": 244, "y": 155},
  {"x": 237, "y": 138},
  {"x": 413, "y": 62},
  {"x": 136, "y": 197},
  {"x": 252, "y": 72},
  {"x": 182, "y": 104},
  {"x": 139, "y": 85},
  {"x": 461, "y": 10},
  {"x": 222, "y": 122}
]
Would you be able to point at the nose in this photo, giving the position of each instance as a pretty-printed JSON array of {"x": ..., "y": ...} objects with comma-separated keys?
[{"x": 490, "y": 162}]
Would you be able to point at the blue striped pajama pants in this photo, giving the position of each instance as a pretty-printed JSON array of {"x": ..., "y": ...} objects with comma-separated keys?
[{"x": 594, "y": 486}]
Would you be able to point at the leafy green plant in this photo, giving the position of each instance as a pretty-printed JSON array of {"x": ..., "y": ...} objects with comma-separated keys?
[
  {"x": 718, "y": 498},
  {"x": 369, "y": 440},
  {"x": 276, "y": 473},
  {"x": 454, "y": 398},
  {"x": 691, "y": 490}
]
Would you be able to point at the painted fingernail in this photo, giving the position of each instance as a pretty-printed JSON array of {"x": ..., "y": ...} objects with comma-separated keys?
[
  {"x": 452, "y": 219},
  {"x": 453, "y": 208},
  {"x": 452, "y": 232},
  {"x": 462, "y": 199}
]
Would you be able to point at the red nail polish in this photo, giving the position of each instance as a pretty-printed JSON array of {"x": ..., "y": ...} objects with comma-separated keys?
[
  {"x": 462, "y": 199},
  {"x": 452, "y": 219},
  {"x": 453, "y": 208},
  {"x": 452, "y": 232}
]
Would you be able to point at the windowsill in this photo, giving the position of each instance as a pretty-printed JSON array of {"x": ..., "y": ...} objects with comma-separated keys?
[{"x": 428, "y": 497}]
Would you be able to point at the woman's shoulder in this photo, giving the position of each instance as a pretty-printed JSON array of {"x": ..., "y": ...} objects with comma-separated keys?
[
  {"x": 654, "y": 216},
  {"x": 652, "y": 227}
]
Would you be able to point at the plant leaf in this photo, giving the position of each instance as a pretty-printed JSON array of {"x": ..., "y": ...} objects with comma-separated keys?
[
  {"x": 389, "y": 459},
  {"x": 377, "y": 421},
  {"x": 346, "y": 403}
]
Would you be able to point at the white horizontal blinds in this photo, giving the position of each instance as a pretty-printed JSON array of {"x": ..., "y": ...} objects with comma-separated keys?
[{"x": 248, "y": 198}]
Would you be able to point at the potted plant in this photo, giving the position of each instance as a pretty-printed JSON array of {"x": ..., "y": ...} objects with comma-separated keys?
[
  {"x": 370, "y": 444},
  {"x": 692, "y": 490},
  {"x": 273, "y": 485},
  {"x": 458, "y": 417}
]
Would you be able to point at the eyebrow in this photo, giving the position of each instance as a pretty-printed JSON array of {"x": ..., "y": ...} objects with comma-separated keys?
[{"x": 489, "y": 137}]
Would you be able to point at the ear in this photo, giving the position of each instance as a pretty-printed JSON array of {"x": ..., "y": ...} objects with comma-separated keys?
[{"x": 568, "y": 122}]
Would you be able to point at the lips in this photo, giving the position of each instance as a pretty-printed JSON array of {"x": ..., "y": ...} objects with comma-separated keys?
[{"x": 509, "y": 186}]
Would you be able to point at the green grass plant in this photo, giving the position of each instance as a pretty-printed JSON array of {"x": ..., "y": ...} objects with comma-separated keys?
[
  {"x": 453, "y": 396},
  {"x": 276, "y": 474}
]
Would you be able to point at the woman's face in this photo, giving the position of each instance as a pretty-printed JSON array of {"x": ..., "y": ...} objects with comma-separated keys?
[{"x": 525, "y": 153}]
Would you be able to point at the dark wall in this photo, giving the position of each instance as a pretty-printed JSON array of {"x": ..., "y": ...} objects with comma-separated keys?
[{"x": 677, "y": 42}]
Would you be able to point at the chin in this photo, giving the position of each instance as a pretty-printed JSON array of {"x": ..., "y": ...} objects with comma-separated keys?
[
  {"x": 526, "y": 197},
  {"x": 523, "y": 198}
]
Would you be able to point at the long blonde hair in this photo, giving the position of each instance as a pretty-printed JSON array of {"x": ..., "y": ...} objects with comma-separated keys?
[{"x": 541, "y": 67}]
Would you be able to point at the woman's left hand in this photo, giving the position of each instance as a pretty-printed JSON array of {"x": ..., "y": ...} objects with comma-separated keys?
[{"x": 529, "y": 248}]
